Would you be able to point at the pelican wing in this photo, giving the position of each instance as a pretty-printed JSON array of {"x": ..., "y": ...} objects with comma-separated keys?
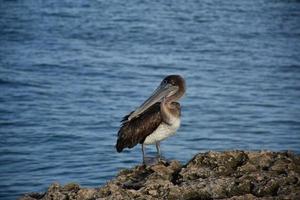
[{"x": 135, "y": 131}]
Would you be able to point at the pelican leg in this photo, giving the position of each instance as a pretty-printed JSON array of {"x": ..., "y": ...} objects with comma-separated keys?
[
  {"x": 143, "y": 151},
  {"x": 158, "y": 150}
]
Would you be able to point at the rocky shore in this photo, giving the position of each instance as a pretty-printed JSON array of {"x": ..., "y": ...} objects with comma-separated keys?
[{"x": 211, "y": 175}]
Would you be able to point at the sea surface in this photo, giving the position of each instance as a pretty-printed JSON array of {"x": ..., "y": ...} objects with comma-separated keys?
[{"x": 70, "y": 70}]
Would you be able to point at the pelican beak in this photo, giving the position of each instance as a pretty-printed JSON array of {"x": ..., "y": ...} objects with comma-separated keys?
[{"x": 164, "y": 90}]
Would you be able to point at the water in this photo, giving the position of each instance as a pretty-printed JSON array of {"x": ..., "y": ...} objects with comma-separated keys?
[{"x": 70, "y": 70}]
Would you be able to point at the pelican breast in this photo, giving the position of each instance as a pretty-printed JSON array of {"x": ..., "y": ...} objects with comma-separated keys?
[{"x": 163, "y": 131}]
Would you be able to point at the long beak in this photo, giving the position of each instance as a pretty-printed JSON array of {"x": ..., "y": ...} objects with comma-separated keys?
[{"x": 164, "y": 90}]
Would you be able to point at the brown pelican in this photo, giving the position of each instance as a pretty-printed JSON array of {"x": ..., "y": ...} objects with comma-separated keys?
[{"x": 156, "y": 119}]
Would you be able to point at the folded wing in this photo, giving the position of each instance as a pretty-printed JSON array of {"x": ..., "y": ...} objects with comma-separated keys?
[{"x": 137, "y": 129}]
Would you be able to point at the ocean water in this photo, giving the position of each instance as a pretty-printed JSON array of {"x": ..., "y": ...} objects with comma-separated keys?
[{"x": 70, "y": 70}]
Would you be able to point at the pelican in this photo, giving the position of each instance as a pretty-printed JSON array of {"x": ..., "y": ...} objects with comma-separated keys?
[{"x": 156, "y": 119}]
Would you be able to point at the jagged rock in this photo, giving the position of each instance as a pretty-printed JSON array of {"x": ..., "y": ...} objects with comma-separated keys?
[{"x": 230, "y": 175}]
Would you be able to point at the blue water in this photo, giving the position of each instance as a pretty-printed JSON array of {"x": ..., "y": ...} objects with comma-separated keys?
[{"x": 70, "y": 70}]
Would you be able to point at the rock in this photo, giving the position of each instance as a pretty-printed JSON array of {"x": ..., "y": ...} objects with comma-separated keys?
[
  {"x": 233, "y": 175},
  {"x": 71, "y": 187},
  {"x": 86, "y": 194}
]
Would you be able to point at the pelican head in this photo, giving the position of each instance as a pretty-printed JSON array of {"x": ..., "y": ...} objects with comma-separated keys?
[{"x": 170, "y": 89}]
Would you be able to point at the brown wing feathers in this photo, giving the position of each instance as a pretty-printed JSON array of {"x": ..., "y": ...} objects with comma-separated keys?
[{"x": 136, "y": 130}]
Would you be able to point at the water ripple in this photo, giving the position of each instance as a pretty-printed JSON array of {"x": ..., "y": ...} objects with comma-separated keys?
[{"x": 69, "y": 71}]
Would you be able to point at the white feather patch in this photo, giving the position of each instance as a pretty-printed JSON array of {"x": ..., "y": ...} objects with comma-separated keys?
[{"x": 163, "y": 131}]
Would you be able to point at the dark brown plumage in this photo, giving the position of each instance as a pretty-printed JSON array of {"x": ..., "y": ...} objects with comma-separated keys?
[{"x": 135, "y": 131}]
